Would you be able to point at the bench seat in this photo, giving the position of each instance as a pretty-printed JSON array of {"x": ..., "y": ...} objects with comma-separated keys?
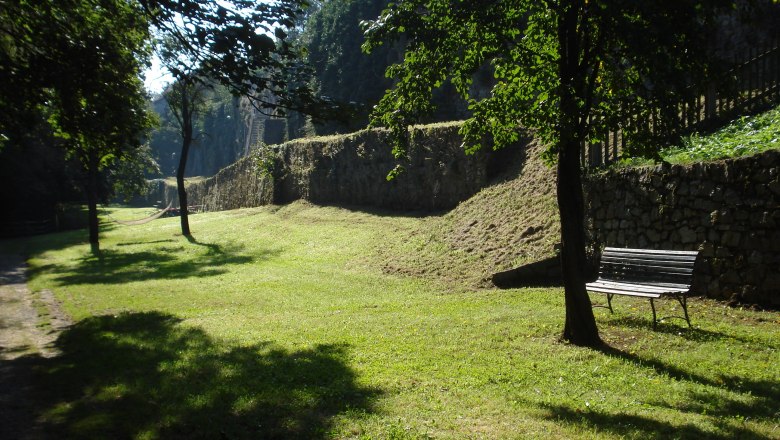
[{"x": 645, "y": 273}]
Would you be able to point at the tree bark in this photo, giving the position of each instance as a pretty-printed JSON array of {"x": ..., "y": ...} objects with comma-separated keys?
[
  {"x": 92, "y": 201},
  {"x": 580, "y": 326},
  {"x": 186, "y": 126}
]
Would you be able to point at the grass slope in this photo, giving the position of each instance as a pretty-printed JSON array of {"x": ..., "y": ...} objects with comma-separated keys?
[
  {"x": 515, "y": 221},
  {"x": 512, "y": 222},
  {"x": 279, "y": 323}
]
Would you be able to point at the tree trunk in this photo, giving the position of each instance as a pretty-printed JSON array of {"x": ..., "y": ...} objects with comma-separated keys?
[
  {"x": 92, "y": 201},
  {"x": 580, "y": 327},
  {"x": 186, "y": 121},
  {"x": 184, "y": 214}
]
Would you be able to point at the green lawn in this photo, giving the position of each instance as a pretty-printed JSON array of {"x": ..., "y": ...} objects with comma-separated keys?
[{"x": 276, "y": 322}]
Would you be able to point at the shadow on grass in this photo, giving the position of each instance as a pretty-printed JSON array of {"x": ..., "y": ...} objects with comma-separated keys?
[
  {"x": 118, "y": 266},
  {"x": 148, "y": 375},
  {"x": 744, "y": 399},
  {"x": 636, "y": 426},
  {"x": 680, "y": 329}
]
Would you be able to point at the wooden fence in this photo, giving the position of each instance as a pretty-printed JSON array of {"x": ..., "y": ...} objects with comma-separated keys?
[{"x": 752, "y": 84}]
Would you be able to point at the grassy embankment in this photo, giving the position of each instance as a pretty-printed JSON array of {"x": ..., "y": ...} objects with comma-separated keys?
[{"x": 279, "y": 322}]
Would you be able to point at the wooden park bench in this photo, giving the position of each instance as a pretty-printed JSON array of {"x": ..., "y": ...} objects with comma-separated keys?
[{"x": 647, "y": 274}]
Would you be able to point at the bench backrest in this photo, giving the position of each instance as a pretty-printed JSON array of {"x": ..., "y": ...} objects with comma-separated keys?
[{"x": 648, "y": 266}]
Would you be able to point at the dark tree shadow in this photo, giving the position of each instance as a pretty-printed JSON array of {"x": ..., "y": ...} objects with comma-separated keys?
[
  {"x": 635, "y": 426},
  {"x": 754, "y": 399},
  {"x": 148, "y": 375},
  {"x": 678, "y": 328},
  {"x": 165, "y": 262}
]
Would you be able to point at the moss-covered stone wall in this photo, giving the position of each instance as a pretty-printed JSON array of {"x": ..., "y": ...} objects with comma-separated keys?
[
  {"x": 728, "y": 210},
  {"x": 349, "y": 169}
]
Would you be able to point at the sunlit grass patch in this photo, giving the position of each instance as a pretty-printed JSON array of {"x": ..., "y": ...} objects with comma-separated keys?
[{"x": 279, "y": 322}]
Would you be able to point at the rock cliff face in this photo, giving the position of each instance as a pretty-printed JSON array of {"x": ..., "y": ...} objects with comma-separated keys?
[{"x": 729, "y": 210}]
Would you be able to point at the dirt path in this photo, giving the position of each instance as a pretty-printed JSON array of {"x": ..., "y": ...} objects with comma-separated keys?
[{"x": 29, "y": 326}]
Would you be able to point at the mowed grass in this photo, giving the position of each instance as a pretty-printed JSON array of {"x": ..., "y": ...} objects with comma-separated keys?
[{"x": 278, "y": 323}]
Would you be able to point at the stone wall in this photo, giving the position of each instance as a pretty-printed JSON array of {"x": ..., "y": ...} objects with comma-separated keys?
[
  {"x": 729, "y": 210},
  {"x": 352, "y": 169},
  {"x": 349, "y": 169}
]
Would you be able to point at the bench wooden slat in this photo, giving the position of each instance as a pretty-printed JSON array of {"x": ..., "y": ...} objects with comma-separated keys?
[
  {"x": 645, "y": 278},
  {"x": 658, "y": 259},
  {"x": 661, "y": 287},
  {"x": 624, "y": 293},
  {"x": 646, "y": 268},
  {"x": 633, "y": 290},
  {"x": 608, "y": 250}
]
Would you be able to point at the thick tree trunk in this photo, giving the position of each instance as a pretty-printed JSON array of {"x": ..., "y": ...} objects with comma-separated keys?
[{"x": 580, "y": 327}]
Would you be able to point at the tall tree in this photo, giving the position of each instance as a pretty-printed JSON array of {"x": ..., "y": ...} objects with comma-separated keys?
[
  {"x": 239, "y": 44},
  {"x": 567, "y": 69},
  {"x": 185, "y": 100},
  {"x": 100, "y": 109},
  {"x": 76, "y": 65}
]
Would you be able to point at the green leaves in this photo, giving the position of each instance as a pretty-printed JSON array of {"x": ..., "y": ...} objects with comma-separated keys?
[
  {"x": 628, "y": 59},
  {"x": 744, "y": 136}
]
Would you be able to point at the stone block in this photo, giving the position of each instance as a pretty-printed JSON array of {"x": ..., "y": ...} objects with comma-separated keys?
[
  {"x": 705, "y": 189},
  {"x": 687, "y": 235},
  {"x": 760, "y": 175},
  {"x": 713, "y": 235},
  {"x": 731, "y": 276},
  {"x": 653, "y": 235},
  {"x": 754, "y": 275},
  {"x": 716, "y": 195},
  {"x": 774, "y": 187},
  {"x": 754, "y": 241},
  {"x": 732, "y": 198},
  {"x": 768, "y": 220},
  {"x": 707, "y": 249},
  {"x": 755, "y": 258},
  {"x": 731, "y": 238},
  {"x": 705, "y": 204},
  {"x": 713, "y": 289},
  {"x": 723, "y": 252},
  {"x": 774, "y": 243},
  {"x": 772, "y": 281}
]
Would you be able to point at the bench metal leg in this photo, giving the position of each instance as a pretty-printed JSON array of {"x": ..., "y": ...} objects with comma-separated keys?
[
  {"x": 684, "y": 303},
  {"x": 652, "y": 305},
  {"x": 609, "y": 302}
]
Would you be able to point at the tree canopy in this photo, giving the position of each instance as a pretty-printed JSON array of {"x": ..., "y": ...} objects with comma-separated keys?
[
  {"x": 565, "y": 69},
  {"x": 74, "y": 68},
  {"x": 239, "y": 44}
]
